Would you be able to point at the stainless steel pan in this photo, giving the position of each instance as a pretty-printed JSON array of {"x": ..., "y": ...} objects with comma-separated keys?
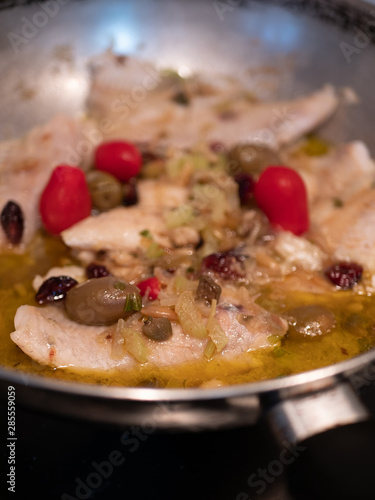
[{"x": 44, "y": 51}]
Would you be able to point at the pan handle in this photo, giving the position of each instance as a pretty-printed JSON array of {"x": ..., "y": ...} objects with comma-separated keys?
[
  {"x": 335, "y": 438},
  {"x": 298, "y": 418}
]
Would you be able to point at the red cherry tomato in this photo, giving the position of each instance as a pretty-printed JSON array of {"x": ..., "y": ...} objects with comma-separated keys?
[
  {"x": 150, "y": 286},
  {"x": 65, "y": 199},
  {"x": 121, "y": 159},
  {"x": 281, "y": 193}
]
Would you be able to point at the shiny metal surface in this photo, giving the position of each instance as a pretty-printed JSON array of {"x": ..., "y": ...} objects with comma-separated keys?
[
  {"x": 43, "y": 70},
  {"x": 296, "y": 419}
]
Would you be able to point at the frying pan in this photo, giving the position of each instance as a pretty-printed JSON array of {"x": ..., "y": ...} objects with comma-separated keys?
[{"x": 44, "y": 51}]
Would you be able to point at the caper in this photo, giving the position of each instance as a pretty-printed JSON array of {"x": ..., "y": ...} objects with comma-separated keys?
[
  {"x": 157, "y": 328},
  {"x": 105, "y": 190},
  {"x": 102, "y": 301},
  {"x": 310, "y": 321},
  {"x": 251, "y": 158},
  {"x": 208, "y": 289}
]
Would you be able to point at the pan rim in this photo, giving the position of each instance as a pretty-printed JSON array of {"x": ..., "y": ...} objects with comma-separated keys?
[{"x": 145, "y": 394}]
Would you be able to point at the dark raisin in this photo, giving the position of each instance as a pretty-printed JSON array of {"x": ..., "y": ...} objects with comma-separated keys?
[
  {"x": 344, "y": 274},
  {"x": 94, "y": 270},
  {"x": 227, "y": 265},
  {"x": 130, "y": 193},
  {"x": 54, "y": 288},
  {"x": 246, "y": 186},
  {"x": 12, "y": 222},
  {"x": 157, "y": 328},
  {"x": 208, "y": 290}
]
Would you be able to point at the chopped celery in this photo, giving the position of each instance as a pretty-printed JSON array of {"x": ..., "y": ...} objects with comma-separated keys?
[
  {"x": 135, "y": 344},
  {"x": 189, "y": 316},
  {"x": 181, "y": 284},
  {"x": 210, "y": 349},
  {"x": 215, "y": 332},
  {"x": 191, "y": 162},
  {"x": 154, "y": 251},
  {"x": 181, "y": 216}
]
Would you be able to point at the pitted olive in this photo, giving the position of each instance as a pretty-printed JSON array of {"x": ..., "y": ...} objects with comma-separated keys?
[
  {"x": 310, "y": 321},
  {"x": 102, "y": 301},
  {"x": 251, "y": 158},
  {"x": 105, "y": 190}
]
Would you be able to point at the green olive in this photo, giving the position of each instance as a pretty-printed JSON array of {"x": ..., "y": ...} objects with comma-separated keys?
[
  {"x": 102, "y": 301},
  {"x": 310, "y": 321},
  {"x": 157, "y": 328},
  {"x": 105, "y": 190},
  {"x": 251, "y": 158}
]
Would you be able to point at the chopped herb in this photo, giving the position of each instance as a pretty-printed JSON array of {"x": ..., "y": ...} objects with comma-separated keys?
[
  {"x": 120, "y": 285},
  {"x": 279, "y": 351},
  {"x": 133, "y": 302},
  {"x": 338, "y": 203},
  {"x": 146, "y": 233}
]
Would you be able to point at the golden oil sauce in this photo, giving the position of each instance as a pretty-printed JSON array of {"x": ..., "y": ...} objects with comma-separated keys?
[{"x": 353, "y": 334}]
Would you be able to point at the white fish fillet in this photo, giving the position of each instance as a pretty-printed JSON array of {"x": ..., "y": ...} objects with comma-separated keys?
[
  {"x": 342, "y": 202},
  {"x": 136, "y": 104},
  {"x": 120, "y": 228},
  {"x": 49, "y": 337},
  {"x": 26, "y": 165},
  {"x": 347, "y": 234}
]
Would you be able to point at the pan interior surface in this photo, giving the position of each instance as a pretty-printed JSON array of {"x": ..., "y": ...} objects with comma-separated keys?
[{"x": 43, "y": 71}]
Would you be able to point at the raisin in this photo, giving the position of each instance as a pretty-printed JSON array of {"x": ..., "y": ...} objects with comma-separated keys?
[
  {"x": 54, "y": 288},
  {"x": 130, "y": 191},
  {"x": 245, "y": 188},
  {"x": 94, "y": 270},
  {"x": 227, "y": 265},
  {"x": 344, "y": 274},
  {"x": 12, "y": 222}
]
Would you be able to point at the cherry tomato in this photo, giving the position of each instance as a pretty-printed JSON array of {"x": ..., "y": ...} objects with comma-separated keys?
[
  {"x": 281, "y": 193},
  {"x": 121, "y": 159},
  {"x": 150, "y": 286},
  {"x": 65, "y": 199}
]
